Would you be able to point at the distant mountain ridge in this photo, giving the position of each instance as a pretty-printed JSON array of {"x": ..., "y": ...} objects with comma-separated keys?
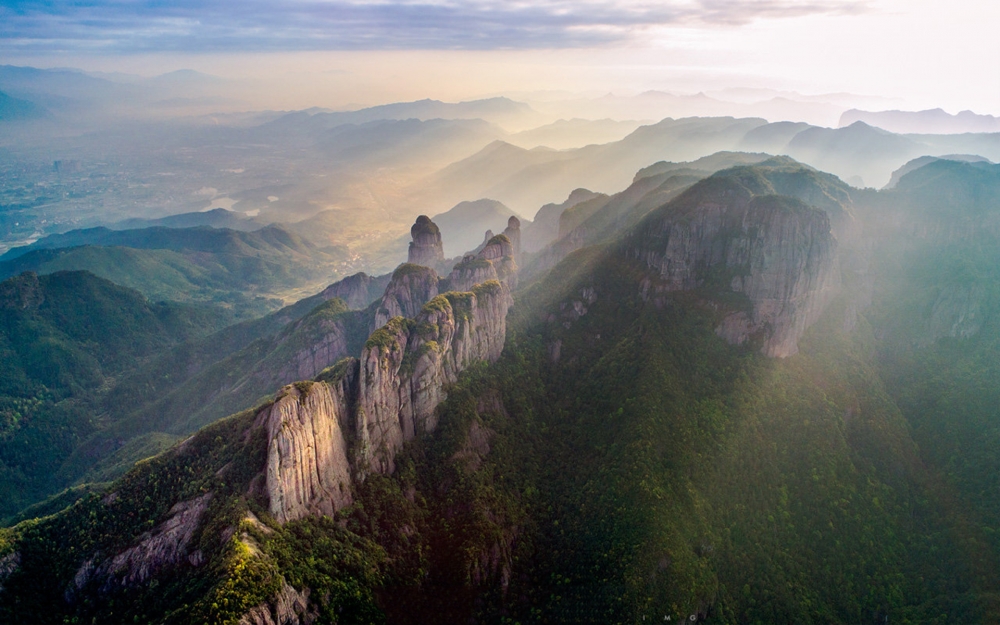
[
  {"x": 269, "y": 239},
  {"x": 247, "y": 270},
  {"x": 462, "y": 226},
  {"x": 731, "y": 377},
  {"x": 14, "y": 109},
  {"x": 919, "y": 162},
  {"x": 216, "y": 218},
  {"x": 499, "y": 110},
  {"x": 930, "y": 121}
]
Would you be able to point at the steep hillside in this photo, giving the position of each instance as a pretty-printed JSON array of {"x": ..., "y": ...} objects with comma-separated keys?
[
  {"x": 767, "y": 400},
  {"x": 544, "y": 228},
  {"x": 246, "y": 270},
  {"x": 603, "y": 219},
  {"x": 301, "y": 453},
  {"x": 63, "y": 338}
]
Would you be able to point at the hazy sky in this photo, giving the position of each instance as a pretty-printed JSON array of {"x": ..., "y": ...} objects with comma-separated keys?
[{"x": 337, "y": 52}]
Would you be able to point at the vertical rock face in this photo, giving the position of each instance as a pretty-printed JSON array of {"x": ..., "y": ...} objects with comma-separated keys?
[
  {"x": 379, "y": 402},
  {"x": 328, "y": 343},
  {"x": 426, "y": 247},
  {"x": 494, "y": 262},
  {"x": 544, "y": 228},
  {"x": 407, "y": 364},
  {"x": 355, "y": 290},
  {"x": 164, "y": 546},
  {"x": 410, "y": 287},
  {"x": 513, "y": 233},
  {"x": 958, "y": 312},
  {"x": 307, "y": 463},
  {"x": 288, "y": 607},
  {"x": 776, "y": 251}
]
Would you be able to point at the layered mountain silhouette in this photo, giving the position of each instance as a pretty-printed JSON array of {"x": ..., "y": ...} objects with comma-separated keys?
[
  {"x": 187, "y": 264},
  {"x": 931, "y": 121},
  {"x": 721, "y": 382}
]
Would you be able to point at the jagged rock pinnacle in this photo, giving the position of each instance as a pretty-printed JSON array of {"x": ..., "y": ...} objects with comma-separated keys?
[
  {"x": 426, "y": 248},
  {"x": 513, "y": 232}
]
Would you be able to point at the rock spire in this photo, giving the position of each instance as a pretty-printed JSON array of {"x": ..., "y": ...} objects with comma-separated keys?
[{"x": 426, "y": 248}]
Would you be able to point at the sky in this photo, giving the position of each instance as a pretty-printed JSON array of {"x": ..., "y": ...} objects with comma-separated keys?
[{"x": 920, "y": 53}]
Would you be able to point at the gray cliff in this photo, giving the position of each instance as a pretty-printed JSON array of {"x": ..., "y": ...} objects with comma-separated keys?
[
  {"x": 407, "y": 364},
  {"x": 409, "y": 289},
  {"x": 355, "y": 417},
  {"x": 426, "y": 248},
  {"x": 495, "y": 261},
  {"x": 513, "y": 234},
  {"x": 776, "y": 252}
]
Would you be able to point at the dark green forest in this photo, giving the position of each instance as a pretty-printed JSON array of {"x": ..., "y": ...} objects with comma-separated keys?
[{"x": 624, "y": 464}]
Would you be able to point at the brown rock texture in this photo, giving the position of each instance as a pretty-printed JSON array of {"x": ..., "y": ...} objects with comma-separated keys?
[
  {"x": 426, "y": 248},
  {"x": 407, "y": 364},
  {"x": 494, "y": 262},
  {"x": 409, "y": 289},
  {"x": 307, "y": 464}
]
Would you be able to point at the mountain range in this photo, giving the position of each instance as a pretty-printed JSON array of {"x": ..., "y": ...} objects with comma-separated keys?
[
  {"x": 746, "y": 392},
  {"x": 932, "y": 121},
  {"x": 302, "y": 367},
  {"x": 250, "y": 271}
]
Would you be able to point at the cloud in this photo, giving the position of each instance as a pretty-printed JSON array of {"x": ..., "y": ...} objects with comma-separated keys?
[{"x": 129, "y": 26}]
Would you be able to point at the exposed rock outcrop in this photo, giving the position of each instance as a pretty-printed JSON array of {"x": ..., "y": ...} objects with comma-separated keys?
[
  {"x": 288, "y": 607},
  {"x": 353, "y": 421},
  {"x": 407, "y": 364},
  {"x": 409, "y": 289},
  {"x": 307, "y": 464},
  {"x": 495, "y": 261},
  {"x": 776, "y": 251},
  {"x": 958, "y": 312},
  {"x": 313, "y": 344},
  {"x": 357, "y": 291},
  {"x": 513, "y": 234},
  {"x": 164, "y": 546},
  {"x": 8, "y": 565},
  {"x": 544, "y": 228},
  {"x": 426, "y": 248}
]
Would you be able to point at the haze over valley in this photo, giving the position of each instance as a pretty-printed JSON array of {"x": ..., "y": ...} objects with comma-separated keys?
[{"x": 491, "y": 313}]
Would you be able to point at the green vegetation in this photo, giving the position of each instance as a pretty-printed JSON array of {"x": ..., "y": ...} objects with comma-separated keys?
[
  {"x": 472, "y": 264},
  {"x": 64, "y": 338},
  {"x": 461, "y": 304},
  {"x": 490, "y": 288},
  {"x": 499, "y": 239},
  {"x": 248, "y": 272},
  {"x": 96, "y": 377},
  {"x": 385, "y": 338},
  {"x": 410, "y": 269},
  {"x": 620, "y": 465}
]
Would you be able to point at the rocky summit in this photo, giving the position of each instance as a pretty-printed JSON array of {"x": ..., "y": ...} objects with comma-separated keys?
[
  {"x": 776, "y": 252},
  {"x": 426, "y": 247}
]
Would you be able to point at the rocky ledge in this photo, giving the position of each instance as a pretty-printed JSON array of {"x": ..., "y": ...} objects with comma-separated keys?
[
  {"x": 775, "y": 253},
  {"x": 354, "y": 419}
]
